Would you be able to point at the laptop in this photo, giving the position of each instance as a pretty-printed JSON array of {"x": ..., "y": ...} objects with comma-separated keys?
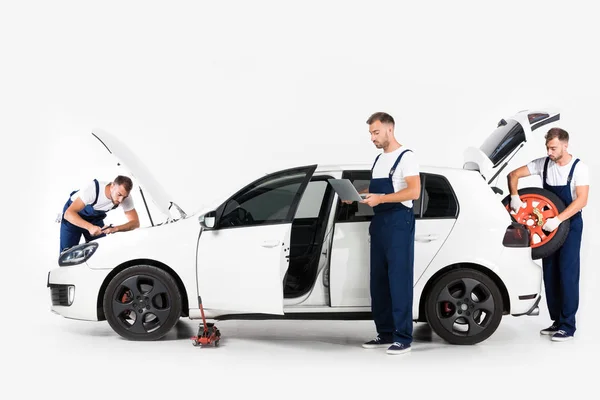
[{"x": 346, "y": 190}]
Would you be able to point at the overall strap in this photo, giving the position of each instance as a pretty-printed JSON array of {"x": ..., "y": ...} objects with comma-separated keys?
[
  {"x": 545, "y": 173},
  {"x": 97, "y": 192},
  {"x": 571, "y": 173},
  {"x": 397, "y": 162},
  {"x": 376, "y": 158}
]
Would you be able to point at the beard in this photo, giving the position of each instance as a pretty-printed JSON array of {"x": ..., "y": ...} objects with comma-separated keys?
[{"x": 380, "y": 145}]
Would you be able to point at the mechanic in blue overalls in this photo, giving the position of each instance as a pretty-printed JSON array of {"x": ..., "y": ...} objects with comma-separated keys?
[
  {"x": 568, "y": 178},
  {"x": 394, "y": 185},
  {"x": 85, "y": 210}
]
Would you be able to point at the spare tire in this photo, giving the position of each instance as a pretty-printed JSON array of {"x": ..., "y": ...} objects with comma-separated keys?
[{"x": 541, "y": 204}]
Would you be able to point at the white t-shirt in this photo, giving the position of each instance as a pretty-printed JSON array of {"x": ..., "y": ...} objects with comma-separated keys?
[
  {"x": 407, "y": 166},
  {"x": 558, "y": 175},
  {"x": 88, "y": 195}
]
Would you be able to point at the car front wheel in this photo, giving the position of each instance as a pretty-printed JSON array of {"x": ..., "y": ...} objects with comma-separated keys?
[
  {"x": 142, "y": 303},
  {"x": 464, "y": 306}
]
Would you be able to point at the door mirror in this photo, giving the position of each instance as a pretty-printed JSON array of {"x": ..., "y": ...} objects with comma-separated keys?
[{"x": 208, "y": 220}]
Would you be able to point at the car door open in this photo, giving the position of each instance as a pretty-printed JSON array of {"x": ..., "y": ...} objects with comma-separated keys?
[{"x": 242, "y": 260}]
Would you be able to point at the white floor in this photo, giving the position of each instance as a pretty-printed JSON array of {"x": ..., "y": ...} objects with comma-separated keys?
[{"x": 62, "y": 358}]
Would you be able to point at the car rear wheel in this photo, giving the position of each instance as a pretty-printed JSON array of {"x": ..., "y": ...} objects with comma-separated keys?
[
  {"x": 142, "y": 303},
  {"x": 541, "y": 204},
  {"x": 464, "y": 306}
]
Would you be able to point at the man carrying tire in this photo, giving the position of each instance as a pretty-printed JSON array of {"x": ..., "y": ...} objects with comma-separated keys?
[{"x": 568, "y": 178}]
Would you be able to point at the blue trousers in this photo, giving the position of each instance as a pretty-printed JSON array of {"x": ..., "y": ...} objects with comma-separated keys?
[
  {"x": 70, "y": 235},
  {"x": 392, "y": 269},
  {"x": 561, "y": 279}
]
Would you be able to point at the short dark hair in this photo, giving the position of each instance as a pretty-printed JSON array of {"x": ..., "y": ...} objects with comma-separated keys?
[
  {"x": 125, "y": 181},
  {"x": 382, "y": 117},
  {"x": 561, "y": 134}
]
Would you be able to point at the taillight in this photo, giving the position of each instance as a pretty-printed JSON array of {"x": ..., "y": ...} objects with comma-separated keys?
[{"x": 516, "y": 235}]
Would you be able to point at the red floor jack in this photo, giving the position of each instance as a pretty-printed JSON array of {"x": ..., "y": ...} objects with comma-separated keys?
[{"x": 207, "y": 332}]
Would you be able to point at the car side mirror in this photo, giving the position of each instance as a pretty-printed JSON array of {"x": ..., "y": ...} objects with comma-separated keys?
[{"x": 208, "y": 220}]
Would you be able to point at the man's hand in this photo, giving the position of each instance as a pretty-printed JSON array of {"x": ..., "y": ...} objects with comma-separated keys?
[
  {"x": 110, "y": 229},
  {"x": 95, "y": 230},
  {"x": 372, "y": 199},
  {"x": 551, "y": 224},
  {"x": 516, "y": 204},
  {"x": 347, "y": 201}
]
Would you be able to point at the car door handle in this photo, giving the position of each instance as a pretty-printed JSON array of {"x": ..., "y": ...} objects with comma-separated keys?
[
  {"x": 270, "y": 243},
  {"x": 426, "y": 238}
]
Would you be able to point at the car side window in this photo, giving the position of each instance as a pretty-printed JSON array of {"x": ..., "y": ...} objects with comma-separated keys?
[
  {"x": 269, "y": 200},
  {"x": 437, "y": 199},
  {"x": 355, "y": 212}
]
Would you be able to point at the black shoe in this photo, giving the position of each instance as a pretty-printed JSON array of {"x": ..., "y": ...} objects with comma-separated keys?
[
  {"x": 398, "y": 348},
  {"x": 551, "y": 330},
  {"x": 376, "y": 343},
  {"x": 561, "y": 336}
]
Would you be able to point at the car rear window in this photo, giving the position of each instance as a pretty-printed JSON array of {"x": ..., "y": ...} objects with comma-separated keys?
[{"x": 507, "y": 136}]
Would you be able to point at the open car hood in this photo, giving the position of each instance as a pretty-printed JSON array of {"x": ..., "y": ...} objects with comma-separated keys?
[
  {"x": 137, "y": 171},
  {"x": 495, "y": 153}
]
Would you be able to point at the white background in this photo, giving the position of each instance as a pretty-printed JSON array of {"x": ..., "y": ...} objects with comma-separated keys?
[{"x": 213, "y": 94}]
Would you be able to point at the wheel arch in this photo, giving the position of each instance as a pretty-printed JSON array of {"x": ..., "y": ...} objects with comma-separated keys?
[
  {"x": 477, "y": 267},
  {"x": 141, "y": 261}
]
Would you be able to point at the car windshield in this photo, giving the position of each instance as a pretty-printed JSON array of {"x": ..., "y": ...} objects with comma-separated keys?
[{"x": 503, "y": 141}]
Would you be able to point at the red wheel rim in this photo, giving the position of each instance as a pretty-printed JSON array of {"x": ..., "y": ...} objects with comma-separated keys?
[{"x": 534, "y": 215}]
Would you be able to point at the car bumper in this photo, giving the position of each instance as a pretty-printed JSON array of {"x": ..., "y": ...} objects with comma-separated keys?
[
  {"x": 533, "y": 310},
  {"x": 523, "y": 279},
  {"x": 74, "y": 291}
]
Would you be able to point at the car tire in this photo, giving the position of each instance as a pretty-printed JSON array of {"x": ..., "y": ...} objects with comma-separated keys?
[
  {"x": 464, "y": 307},
  {"x": 142, "y": 302},
  {"x": 543, "y": 244}
]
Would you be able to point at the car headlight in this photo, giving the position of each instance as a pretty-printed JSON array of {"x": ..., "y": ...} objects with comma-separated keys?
[{"x": 77, "y": 254}]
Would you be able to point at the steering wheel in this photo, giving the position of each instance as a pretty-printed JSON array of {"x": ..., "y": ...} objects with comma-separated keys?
[
  {"x": 238, "y": 217},
  {"x": 244, "y": 216}
]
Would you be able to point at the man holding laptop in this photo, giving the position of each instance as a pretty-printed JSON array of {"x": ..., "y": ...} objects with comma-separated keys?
[{"x": 395, "y": 183}]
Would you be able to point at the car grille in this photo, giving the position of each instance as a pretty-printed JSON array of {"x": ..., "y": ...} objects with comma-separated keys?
[{"x": 59, "y": 295}]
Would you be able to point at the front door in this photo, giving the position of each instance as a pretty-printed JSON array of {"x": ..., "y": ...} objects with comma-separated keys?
[{"x": 242, "y": 260}]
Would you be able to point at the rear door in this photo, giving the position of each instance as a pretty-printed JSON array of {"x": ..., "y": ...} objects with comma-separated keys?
[{"x": 435, "y": 214}]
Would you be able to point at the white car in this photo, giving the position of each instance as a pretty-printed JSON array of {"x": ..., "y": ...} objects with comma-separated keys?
[{"x": 285, "y": 246}]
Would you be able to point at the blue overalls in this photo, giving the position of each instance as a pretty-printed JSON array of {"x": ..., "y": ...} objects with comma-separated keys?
[
  {"x": 561, "y": 269},
  {"x": 392, "y": 231},
  {"x": 71, "y": 234}
]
